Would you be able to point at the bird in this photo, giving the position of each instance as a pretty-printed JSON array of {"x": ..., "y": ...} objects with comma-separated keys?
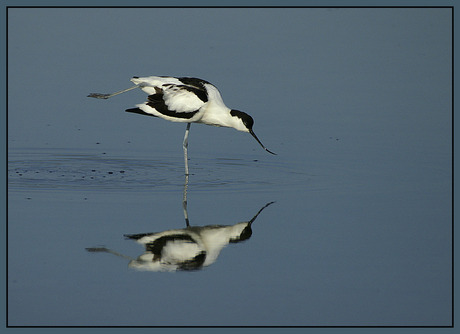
[
  {"x": 186, "y": 100},
  {"x": 186, "y": 249}
]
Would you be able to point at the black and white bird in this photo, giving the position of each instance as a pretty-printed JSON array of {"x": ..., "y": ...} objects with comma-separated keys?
[
  {"x": 190, "y": 248},
  {"x": 186, "y": 100}
]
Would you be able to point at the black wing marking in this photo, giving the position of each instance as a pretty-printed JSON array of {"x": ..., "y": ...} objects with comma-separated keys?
[
  {"x": 196, "y": 86},
  {"x": 157, "y": 245},
  {"x": 200, "y": 92},
  {"x": 157, "y": 102},
  {"x": 193, "y": 263},
  {"x": 139, "y": 111},
  {"x": 138, "y": 235},
  {"x": 195, "y": 82},
  {"x": 176, "y": 100}
]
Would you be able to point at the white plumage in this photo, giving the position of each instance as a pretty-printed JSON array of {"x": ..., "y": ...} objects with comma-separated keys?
[
  {"x": 190, "y": 248},
  {"x": 171, "y": 94},
  {"x": 186, "y": 100}
]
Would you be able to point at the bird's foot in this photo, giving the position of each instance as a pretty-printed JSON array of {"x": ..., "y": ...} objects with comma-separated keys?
[{"x": 99, "y": 96}]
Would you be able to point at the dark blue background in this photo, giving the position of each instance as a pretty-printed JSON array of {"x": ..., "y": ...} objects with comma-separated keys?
[{"x": 357, "y": 104}]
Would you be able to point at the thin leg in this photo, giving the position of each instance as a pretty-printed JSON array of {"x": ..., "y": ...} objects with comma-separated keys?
[
  {"x": 106, "y": 96},
  {"x": 185, "y": 146}
]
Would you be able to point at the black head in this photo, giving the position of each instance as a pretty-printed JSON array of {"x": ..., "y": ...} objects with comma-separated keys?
[{"x": 248, "y": 122}]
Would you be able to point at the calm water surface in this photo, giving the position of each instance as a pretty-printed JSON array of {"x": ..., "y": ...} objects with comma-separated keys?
[
  {"x": 328, "y": 251},
  {"x": 357, "y": 104}
]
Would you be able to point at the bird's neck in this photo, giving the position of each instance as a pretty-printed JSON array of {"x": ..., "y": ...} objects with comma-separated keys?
[{"x": 219, "y": 115}]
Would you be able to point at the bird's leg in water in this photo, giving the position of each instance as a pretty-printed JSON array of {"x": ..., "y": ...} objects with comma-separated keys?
[{"x": 185, "y": 146}]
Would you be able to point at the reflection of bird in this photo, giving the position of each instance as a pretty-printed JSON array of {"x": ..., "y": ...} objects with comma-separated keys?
[
  {"x": 186, "y": 100},
  {"x": 190, "y": 248}
]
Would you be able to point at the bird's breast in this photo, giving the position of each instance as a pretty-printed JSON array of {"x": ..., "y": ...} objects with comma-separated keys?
[{"x": 216, "y": 115}]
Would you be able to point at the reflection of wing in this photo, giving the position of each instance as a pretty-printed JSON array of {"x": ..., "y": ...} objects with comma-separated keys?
[
  {"x": 170, "y": 250},
  {"x": 178, "y": 249},
  {"x": 191, "y": 248},
  {"x": 138, "y": 235}
]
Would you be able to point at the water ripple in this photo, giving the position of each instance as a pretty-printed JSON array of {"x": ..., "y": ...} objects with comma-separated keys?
[{"x": 58, "y": 169}]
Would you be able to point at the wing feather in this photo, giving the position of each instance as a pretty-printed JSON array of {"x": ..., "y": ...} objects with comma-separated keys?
[
  {"x": 174, "y": 99},
  {"x": 182, "y": 98}
]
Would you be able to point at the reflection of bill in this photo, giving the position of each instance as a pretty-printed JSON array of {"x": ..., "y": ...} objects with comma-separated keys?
[{"x": 191, "y": 248}]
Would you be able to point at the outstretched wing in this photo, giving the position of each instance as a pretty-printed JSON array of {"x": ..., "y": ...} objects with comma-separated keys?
[{"x": 174, "y": 99}]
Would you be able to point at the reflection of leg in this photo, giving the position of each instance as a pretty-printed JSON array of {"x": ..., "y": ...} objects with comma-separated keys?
[
  {"x": 106, "y": 250},
  {"x": 184, "y": 201},
  {"x": 185, "y": 146}
]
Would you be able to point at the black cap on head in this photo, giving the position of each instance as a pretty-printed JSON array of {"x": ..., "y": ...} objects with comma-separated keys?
[{"x": 248, "y": 121}]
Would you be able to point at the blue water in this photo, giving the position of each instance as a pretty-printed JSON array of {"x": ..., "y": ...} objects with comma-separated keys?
[{"x": 357, "y": 107}]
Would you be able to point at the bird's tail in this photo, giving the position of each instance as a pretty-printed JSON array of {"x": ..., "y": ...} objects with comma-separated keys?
[{"x": 139, "y": 111}]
